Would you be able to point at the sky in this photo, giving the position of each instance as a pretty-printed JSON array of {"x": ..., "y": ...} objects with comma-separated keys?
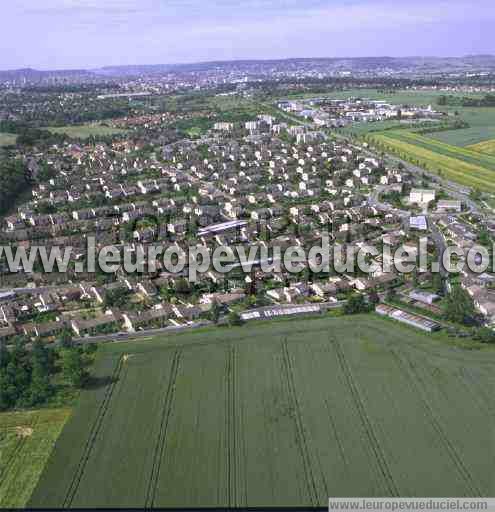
[{"x": 64, "y": 34}]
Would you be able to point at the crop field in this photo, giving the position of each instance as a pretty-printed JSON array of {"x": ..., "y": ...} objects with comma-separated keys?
[
  {"x": 278, "y": 414},
  {"x": 465, "y": 137},
  {"x": 464, "y": 154},
  {"x": 7, "y": 139},
  {"x": 26, "y": 441},
  {"x": 85, "y": 131},
  {"x": 484, "y": 147},
  {"x": 460, "y": 165},
  {"x": 482, "y": 127},
  {"x": 363, "y": 128}
]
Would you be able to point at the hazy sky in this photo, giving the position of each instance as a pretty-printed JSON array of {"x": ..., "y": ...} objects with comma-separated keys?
[{"x": 56, "y": 34}]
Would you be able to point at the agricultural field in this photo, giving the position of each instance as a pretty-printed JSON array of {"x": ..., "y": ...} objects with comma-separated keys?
[
  {"x": 363, "y": 128},
  {"x": 465, "y": 137},
  {"x": 7, "y": 139},
  {"x": 460, "y": 165},
  {"x": 484, "y": 147},
  {"x": 278, "y": 414},
  {"x": 464, "y": 154},
  {"x": 26, "y": 441},
  {"x": 481, "y": 122},
  {"x": 87, "y": 130}
]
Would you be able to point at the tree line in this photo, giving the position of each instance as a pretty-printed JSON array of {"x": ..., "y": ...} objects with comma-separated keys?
[
  {"x": 466, "y": 101},
  {"x": 30, "y": 378},
  {"x": 14, "y": 178}
]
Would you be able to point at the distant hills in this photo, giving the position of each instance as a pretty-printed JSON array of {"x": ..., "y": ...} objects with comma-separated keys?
[
  {"x": 397, "y": 64},
  {"x": 34, "y": 75}
]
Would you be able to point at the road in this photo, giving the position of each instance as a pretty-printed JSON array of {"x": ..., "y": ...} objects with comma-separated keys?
[
  {"x": 128, "y": 336},
  {"x": 39, "y": 289},
  {"x": 121, "y": 337},
  {"x": 456, "y": 191},
  {"x": 374, "y": 200}
]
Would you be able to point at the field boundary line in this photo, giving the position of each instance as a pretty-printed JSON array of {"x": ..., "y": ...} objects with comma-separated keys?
[
  {"x": 367, "y": 424},
  {"x": 76, "y": 480},
  {"x": 162, "y": 434}
]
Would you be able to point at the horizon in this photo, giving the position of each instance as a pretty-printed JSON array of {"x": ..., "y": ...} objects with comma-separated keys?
[
  {"x": 283, "y": 59},
  {"x": 83, "y": 34}
]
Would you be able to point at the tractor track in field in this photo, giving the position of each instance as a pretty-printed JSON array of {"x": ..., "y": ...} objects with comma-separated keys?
[
  {"x": 95, "y": 429},
  {"x": 162, "y": 435},
  {"x": 478, "y": 393},
  {"x": 323, "y": 473},
  {"x": 333, "y": 425},
  {"x": 231, "y": 428},
  {"x": 17, "y": 449},
  {"x": 366, "y": 421},
  {"x": 417, "y": 383},
  {"x": 242, "y": 423},
  {"x": 303, "y": 442}
]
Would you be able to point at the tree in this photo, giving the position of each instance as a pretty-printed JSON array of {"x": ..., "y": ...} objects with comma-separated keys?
[
  {"x": 4, "y": 355},
  {"x": 485, "y": 335},
  {"x": 15, "y": 379},
  {"x": 13, "y": 181},
  {"x": 65, "y": 338},
  {"x": 40, "y": 388},
  {"x": 73, "y": 367},
  {"x": 214, "y": 313},
  {"x": 235, "y": 319},
  {"x": 475, "y": 194},
  {"x": 459, "y": 307},
  {"x": 43, "y": 356},
  {"x": 484, "y": 238},
  {"x": 391, "y": 294},
  {"x": 8, "y": 389},
  {"x": 356, "y": 304},
  {"x": 373, "y": 297},
  {"x": 182, "y": 286},
  {"x": 415, "y": 278},
  {"x": 437, "y": 283}
]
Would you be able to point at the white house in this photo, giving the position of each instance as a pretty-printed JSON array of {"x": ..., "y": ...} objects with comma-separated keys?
[{"x": 421, "y": 196}]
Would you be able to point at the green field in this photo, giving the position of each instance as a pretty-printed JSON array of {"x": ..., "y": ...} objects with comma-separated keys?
[
  {"x": 484, "y": 147},
  {"x": 481, "y": 122},
  {"x": 86, "y": 131},
  {"x": 26, "y": 441},
  {"x": 460, "y": 165},
  {"x": 283, "y": 413},
  {"x": 7, "y": 139},
  {"x": 465, "y": 137},
  {"x": 359, "y": 129},
  {"x": 464, "y": 154}
]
